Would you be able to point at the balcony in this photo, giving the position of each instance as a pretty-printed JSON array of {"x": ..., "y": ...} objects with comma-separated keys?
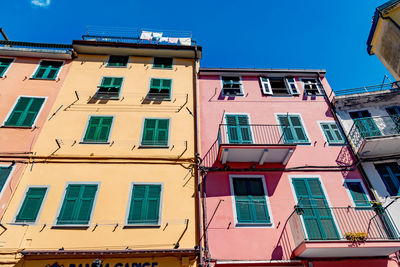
[
  {"x": 343, "y": 232},
  {"x": 253, "y": 143},
  {"x": 376, "y": 136}
]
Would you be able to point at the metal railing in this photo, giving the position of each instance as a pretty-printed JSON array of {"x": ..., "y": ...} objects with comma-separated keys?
[
  {"x": 253, "y": 134},
  {"x": 354, "y": 224},
  {"x": 371, "y": 127},
  {"x": 367, "y": 89}
]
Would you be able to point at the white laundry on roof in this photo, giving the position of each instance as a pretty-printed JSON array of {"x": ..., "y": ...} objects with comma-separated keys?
[
  {"x": 185, "y": 41},
  {"x": 173, "y": 40},
  {"x": 146, "y": 35}
]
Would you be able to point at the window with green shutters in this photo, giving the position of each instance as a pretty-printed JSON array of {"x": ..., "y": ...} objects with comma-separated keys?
[
  {"x": 250, "y": 201},
  {"x": 155, "y": 132},
  {"x": 144, "y": 207},
  {"x": 31, "y": 206},
  {"x": 25, "y": 112},
  {"x": 77, "y": 205},
  {"x": 4, "y": 64},
  {"x": 390, "y": 174},
  {"x": 117, "y": 61},
  {"x": 4, "y": 174},
  {"x": 332, "y": 133},
  {"x": 109, "y": 88},
  {"x": 162, "y": 63},
  {"x": 160, "y": 89},
  {"x": 98, "y": 129},
  {"x": 48, "y": 70},
  {"x": 292, "y": 129},
  {"x": 238, "y": 129},
  {"x": 358, "y": 194}
]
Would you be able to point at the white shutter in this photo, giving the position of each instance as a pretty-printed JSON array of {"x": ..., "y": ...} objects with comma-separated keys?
[
  {"x": 292, "y": 85},
  {"x": 266, "y": 86}
]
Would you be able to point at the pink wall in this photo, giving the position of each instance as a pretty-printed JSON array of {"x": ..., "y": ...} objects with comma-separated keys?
[
  {"x": 227, "y": 242},
  {"x": 17, "y": 82}
]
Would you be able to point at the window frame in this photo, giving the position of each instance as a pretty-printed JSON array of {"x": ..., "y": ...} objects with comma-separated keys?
[
  {"x": 122, "y": 67},
  {"x": 87, "y": 125},
  {"x": 172, "y": 64},
  {"x": 324, "y": 135},
  {"x": 233, "y": 114},
  {"x": 8, "y": 178},
  {"x": 170, "y": 91},
  {"x": 242, "y": 94},
  {"x": 14, "y": 221},
  {"x": 302, "y": 124},
  {"x": 128, "y": 225},
  {"x": 345, "y": 181},
  {"x": 38, "y": 66},
  {"x": 95, "y": 96},
  {"x": 169, "y": 132},
  {"x": 9, "y": 66},
  {"x": 385, "y": 186},
  {"x": 55, "y": 225},
  {"x": 287, "y": 85},
  {"x": 317, "y": 82},
  {"x": 266, "y": 194},
  {"x": 12, "y": 109}
]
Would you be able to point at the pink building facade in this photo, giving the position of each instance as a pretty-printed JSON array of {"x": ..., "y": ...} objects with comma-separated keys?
[
  {"x": 280, "y": 186},
  {"x": 31, "y": 76}
]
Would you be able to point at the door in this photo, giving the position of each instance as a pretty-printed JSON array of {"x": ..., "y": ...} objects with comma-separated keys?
[
  {"x": 238, "y": 129},
  {"x": 317, "y": 216},
  {"x": 365, "y": 124}
]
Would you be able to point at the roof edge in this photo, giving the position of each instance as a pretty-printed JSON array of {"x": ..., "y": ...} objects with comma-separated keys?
[{"x": 255, "y": 70}]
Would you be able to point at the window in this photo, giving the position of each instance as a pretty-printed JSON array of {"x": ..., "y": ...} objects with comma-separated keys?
[
  {"x": 365, "y": 123},
  {"x": 238, "y": 129},
  {"x": 117, "y": 61},
  {"x": 358, "y": 194},
  {"x": 160, "y": 89},
  {"x": 279, "y": 86},
  {"x": 4, "y": 64},
  {"x": 250, "y": 201},
  {"x": 162, "y": 63},
  {"x": 231, "y": 86},
  {"x": 394, "y": 113},
  {"x": 109, "y": 88},
  {"x": 311, "y": 87},
  {"x": 48, "y": 70},
  {"x": 98, "y": 129},
  {"x": 4, "y": 174},
  {"x": 144, "y": 207},
  {"x": 390, "y": 174},
  {"x": 292, "y": 129},
  {"x": 31, "y": 206},
  {"x": 155, "y": 132},
  {"x": 332, "y": 133},
  {"x": 77, "y": 206},
  {"x": 25, "y": 112}
]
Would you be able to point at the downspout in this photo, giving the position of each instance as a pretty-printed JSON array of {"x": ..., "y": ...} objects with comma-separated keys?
[{"x": 371, "y": 192}]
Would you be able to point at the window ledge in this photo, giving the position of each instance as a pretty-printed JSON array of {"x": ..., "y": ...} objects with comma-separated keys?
[
  {"x": 74, "y": 226},
  {"x": 94, "y": 143},
  {"x": 17, "y": 127},
  {"x": 44, "y": 79},
  {"x": 162, "y": 68},
  {"x": 120, "y": 67},
  {"x": 248, "y": 225},
  {"x": 127, "y": 226},
  {"x": 23, "y": 223},
  {"x": 153, "y": 146}
]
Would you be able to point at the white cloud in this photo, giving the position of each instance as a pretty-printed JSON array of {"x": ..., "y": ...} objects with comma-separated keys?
[{"x": 41, "y": 3}]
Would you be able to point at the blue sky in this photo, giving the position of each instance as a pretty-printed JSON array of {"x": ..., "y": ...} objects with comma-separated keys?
[{"x": 235, "y": 33}]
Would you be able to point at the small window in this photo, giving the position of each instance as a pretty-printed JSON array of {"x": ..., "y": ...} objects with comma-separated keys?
[
  {"x": 162, "y": 63},
  {"x": 390, "y": 174},
  {"x": 279, "y": 86},
  {"x": 332, "y": 133},
  {"x": 231, "y": 86},
  {"x": 77, "y": 206},
  {"x": 144, "y": 207},
  {"x": 4, "y": 174},
  {"x": 109, "y": 88},
  {"x": 4, "y": 64},
  {"x": 48, "y": 70},
  {"x": 250, "y": 201},
  {"x": 31, "y": 206},
  {"x": 311, "y": 87},
  {"x": 118, "y": 61},
  {"x": 98, "y": 129},
  {"x": 358, "y": 194},
  {"x": 292, "y": 129},
  {"x": 25, "y": 112},
  {"x": 155, "y": 132},
  {"x": 160, "y": 89}
]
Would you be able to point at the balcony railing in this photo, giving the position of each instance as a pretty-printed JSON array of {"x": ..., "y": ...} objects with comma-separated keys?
[
  {"x": 351, "y": 224},
  {"x": 369, "y": 89},
  {"x": 373, "y": 127},
  {"x": 253, "y": 134}
]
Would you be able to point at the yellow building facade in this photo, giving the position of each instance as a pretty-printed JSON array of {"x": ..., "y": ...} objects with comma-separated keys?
[{"x": 113, "y": 175}]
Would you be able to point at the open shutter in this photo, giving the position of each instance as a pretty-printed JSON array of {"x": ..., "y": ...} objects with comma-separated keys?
[
  {"x": 31, "y": 205},
  {"x": 358, "y": 194},
  {"x": 84, "y": 209},
  {"x": 153, "y": 204},
  {"x": 292, "y": 85},
  {"x": 161, "y": 137},
  {"x": 69, "y": 205},
  {"x": 266, "y": 86},
  {"x": 4, "y": 173}
]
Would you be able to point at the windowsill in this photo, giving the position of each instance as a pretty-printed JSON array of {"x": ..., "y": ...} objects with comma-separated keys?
[
  {"x": 337, "y": 144},
  {"x": 306, "y": 94},
  {"x": 153, "y": 146},
  {"x": 121, "y": 67},
  {"x": 75, "y": 226},
  {"x": 17, "y": 127},
  {"x": 106, "y": 98},
  {"x": 239, "y": 95},
  {"x": 304, "y": 144},
  {"x": 157, "y": 99},
  {"x": 24, "y": 223},
  {"x": 158, "y": 68},
  {"x": 44, "y": 79},
  {"x": 94, "y": 143},
  {"x": 127, "y": 226},
  {"x": 248, "y": 225}
]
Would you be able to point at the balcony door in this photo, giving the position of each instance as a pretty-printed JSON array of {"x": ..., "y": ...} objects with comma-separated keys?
[
  {"x": 365, "y": 124},
  {"x": 238, "y": 129},
  {"x": 313, "y": 207}
]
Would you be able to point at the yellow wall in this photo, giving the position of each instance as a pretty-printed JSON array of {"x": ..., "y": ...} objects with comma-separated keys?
[{"x": 106, "y": 229}]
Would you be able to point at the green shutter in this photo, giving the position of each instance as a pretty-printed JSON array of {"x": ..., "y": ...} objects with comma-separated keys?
[
  {"x": 31, "y": 205},
  {"x": 160, "y": 88},
  {"x": 332, "y": 133},
  {"x": 4, "y": 64},
  {"x": 77, "y": 205},
  {"x": 118, "y": 61},
  {"x": 238, "y": 129},
  {"x": 162, "y": 63},
  {"x": 357, "y": 193},
  {"x": 110, "y": 88},
  {"x": 48, "y": 70},
  {"x": 292, "y": 128},
  {"x": 4, "y": 173},
  {"x": 155, "y": 132},
  {"x": 98, "y": 129},
  {"x": 145, "y": 204},
  {"x": 25, "y": 112}
]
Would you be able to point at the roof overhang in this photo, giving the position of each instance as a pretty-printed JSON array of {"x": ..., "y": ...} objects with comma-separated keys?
[{"x": 258, "y": 72}]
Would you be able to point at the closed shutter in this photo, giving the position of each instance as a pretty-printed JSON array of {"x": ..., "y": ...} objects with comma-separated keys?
[
  {"x": 365, "y": 123},
  {"x": 238, "y": 129},
  {"x": 149, "y": 132},
  {"x": 69, "y": 205},
  {"x": 98, "y": 129},
  {"x": 48, "y": 70},
  {"x": 145, "y": 204},
  {"x": 84, "y": 208},
  {"x": 292, "y": 129},
  {"x": 358, "y": 194},
  {"x": 31, "y": 205},
  {"x": 4, "y": 173},
  {"x": 25, "y": 112},
  {"x": 162, "y": 132},
  {"x": 155, "y": 132},
  {"x": 332, "y": 133}
]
